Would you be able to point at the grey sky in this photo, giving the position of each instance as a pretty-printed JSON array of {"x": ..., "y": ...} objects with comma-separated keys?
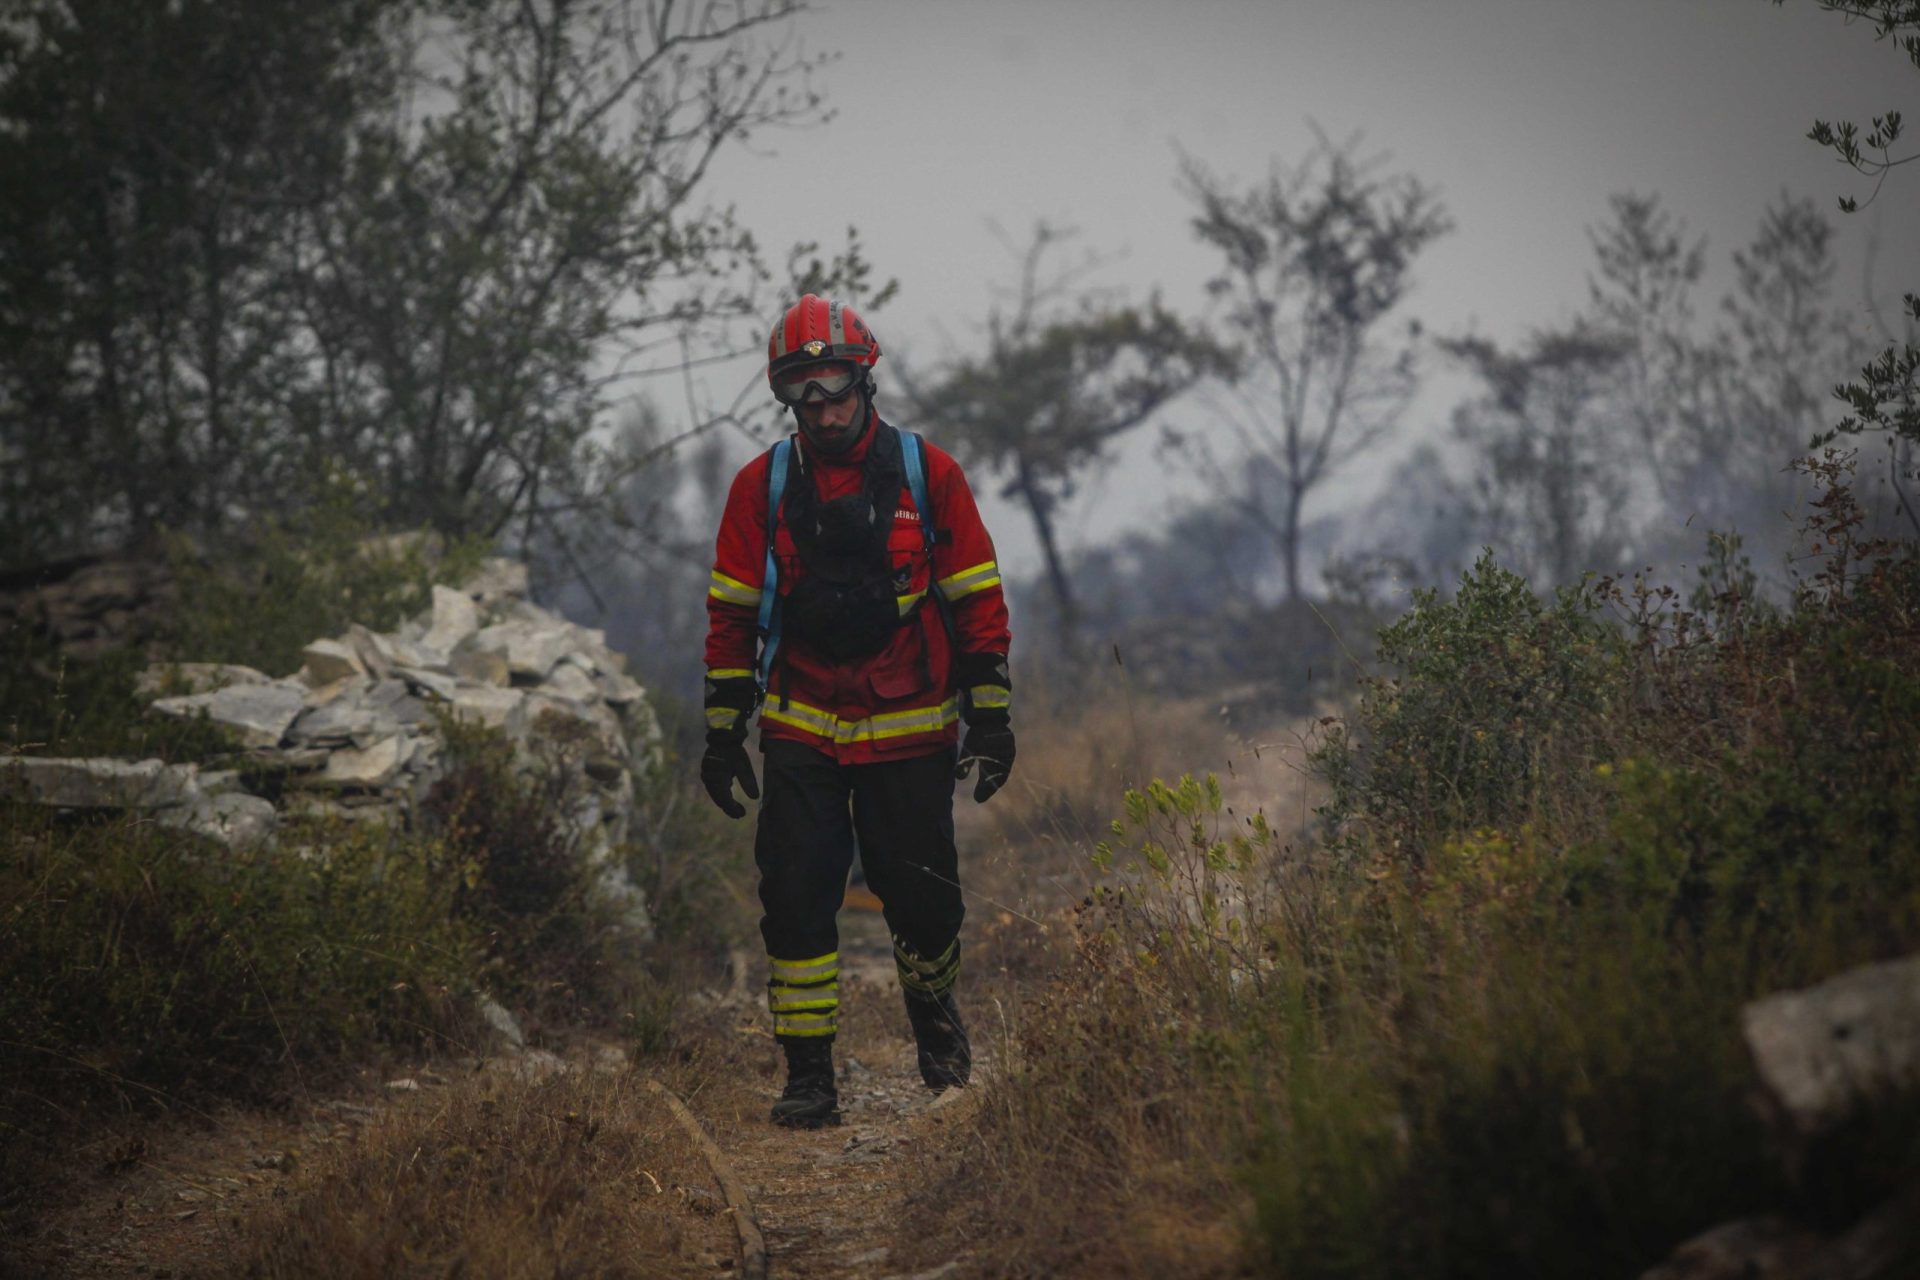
[{"x": 1526, "y": 114}]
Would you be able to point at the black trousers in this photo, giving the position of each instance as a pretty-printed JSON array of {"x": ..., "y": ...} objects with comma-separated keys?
[{"x": 811, "y": 812}]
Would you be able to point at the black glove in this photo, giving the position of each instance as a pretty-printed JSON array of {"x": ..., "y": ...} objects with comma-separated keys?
[
  {"x": 724, "y": 764},
  {"x": 988, "y": 691},
  {"x": 991, "y": 743},
  {"x": 729, "y": 702}
]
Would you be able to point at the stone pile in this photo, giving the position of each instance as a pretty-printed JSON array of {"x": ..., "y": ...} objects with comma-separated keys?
[{"x": 354, "y": 735}]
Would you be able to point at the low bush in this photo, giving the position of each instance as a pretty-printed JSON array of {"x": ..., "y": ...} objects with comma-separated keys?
[{"x": 138, "y": 962}]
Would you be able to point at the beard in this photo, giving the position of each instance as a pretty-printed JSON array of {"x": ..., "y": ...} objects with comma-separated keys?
[{"x": 834, "y": 441}]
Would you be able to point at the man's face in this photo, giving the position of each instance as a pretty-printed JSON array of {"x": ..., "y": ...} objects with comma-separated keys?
[{"x": 833, "y": 425}]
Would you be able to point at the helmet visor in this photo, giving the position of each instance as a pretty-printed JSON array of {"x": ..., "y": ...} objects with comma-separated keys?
[{"x": 816, "y": 382}]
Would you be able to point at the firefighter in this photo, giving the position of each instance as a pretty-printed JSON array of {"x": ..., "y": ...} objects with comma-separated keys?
[{"x": 873, "y": 630}]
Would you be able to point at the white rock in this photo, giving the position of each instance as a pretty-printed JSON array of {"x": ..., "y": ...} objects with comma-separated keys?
[
  {"x": 454, "y": 619},
  {"x": 419, "y": 656},
  {"x": 235, "y": 819},
  {"x": 483, "y": 666},
  {"x": 368, "y": 767},
  {"x": 327, "y": 661},
  {"x": 69, "y": 783},
  {"x": 443, "y": 687},
  {"x": 260, "y": 713},
  {"x": 374, "y": 652},
  {"x": 495, "y": 708},
  {"x": 342, "y": 721},
  {"x": 351, "y": 687},
  {"x": 532, "y": 648},
  {"x": 569, "y": 681}
]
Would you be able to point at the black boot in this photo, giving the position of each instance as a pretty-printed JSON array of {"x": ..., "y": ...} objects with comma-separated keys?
[
  {"x": 810, "y": 1100},
  {"x": 946, "y": 1059}
]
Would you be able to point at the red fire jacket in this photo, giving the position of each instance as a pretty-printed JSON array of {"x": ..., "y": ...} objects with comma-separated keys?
[{"x": 901, "y": 701}]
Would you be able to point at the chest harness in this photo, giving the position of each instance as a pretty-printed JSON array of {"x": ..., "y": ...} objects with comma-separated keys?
[{"x": 846, "y": 605}]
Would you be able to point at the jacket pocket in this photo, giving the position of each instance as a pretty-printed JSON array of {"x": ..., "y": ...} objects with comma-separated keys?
[{"x": 900, "y": 671}]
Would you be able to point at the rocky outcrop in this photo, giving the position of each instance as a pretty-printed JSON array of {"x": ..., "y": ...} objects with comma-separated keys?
[{"x": 356, "y": 734}]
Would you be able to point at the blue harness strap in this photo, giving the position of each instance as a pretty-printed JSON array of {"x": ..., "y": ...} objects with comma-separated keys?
[
  {"x": 769, "y": 588},
  {"x": 917, "y": 486}
]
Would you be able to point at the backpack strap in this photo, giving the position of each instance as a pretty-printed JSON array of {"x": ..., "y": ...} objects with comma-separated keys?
[
  {"x": 911, "y": 454},
  {"x": 769, "y": 587}
]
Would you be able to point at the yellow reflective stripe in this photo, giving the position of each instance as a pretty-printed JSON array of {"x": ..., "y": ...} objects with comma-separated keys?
[
  {"x": 991, "y": 695},
  {"x": 728, "y": 673},
  {"x": 930, "y": 977},
  {"x": 733, "y": 591},
  {"x": 906, "y": 603},
  {"x": 968, "y": 581},
  {"x": 805, "y": 1024},
  {"x": 893, "y": 724},
  {"x": 722, "y": 717},
  {"x": 791, "y": 999},
  {"x": 795, "y": 972}
]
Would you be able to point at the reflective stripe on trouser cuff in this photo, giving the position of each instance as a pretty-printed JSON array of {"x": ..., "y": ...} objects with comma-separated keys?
[
  {"x": 728, "y": 717},
  {"x": 795, "y": 973},
  {"x": 968, "y": 581},
  {"x": 804, "y": 995},
  {"x": 733, "y": 591},
  {"x": 892, "y": 724},
  {"x": 798, "y": 999},
  {"x": 806, "y": 1024},
  {"x": 927, "y": 979}
]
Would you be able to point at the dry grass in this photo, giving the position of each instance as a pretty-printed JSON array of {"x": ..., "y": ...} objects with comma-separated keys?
[
  {"x": 1093, "y": 1152},
  {"x": 1082, "y": 745},
  {"x": 582, "y": 1173}
]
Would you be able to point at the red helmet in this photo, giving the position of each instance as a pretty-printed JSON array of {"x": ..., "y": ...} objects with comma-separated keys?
[{"x": 816, "y": 329}]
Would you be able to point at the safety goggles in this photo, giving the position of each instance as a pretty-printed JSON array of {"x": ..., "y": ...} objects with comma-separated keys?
[{"x": 829, "y": 382}]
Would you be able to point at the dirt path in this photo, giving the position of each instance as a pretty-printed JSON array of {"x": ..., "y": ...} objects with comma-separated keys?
[
  {"x": 177, "y": 1198},
  {"x": 834, "y": 1202}
]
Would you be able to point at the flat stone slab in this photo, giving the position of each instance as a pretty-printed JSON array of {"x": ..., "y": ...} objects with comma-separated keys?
[
  {"x": 67, "y": 783},
  {"x": 326, "y": 661},
  {"x": 367, "y": 768},
  {"x": 531, "y": 648},
  {"x": 261, "y": 714}
]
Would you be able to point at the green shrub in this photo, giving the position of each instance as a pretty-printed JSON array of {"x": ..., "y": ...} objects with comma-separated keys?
[
  {"x": 1493, "y": 693},
  {"x": 136, "y": 961}
]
